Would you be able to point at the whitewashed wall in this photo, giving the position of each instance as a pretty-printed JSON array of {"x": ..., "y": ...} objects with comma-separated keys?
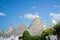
[
  {"x": 52, "y": 37},
  {"x": 11, "y": 38}
]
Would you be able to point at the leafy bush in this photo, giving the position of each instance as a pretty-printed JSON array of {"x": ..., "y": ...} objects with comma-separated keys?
[
  {"x": 20, "y": 37},
  {"x": 57, "y": 29},
  {"x": 35, "y": 38},
  {"x": 26, "y": 35}
]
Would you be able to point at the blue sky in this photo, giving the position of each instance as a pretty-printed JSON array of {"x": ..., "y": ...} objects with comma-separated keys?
[{"x": 13, "y": 12}]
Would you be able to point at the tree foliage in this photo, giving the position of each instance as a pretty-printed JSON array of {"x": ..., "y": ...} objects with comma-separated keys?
[
  {"x": 26, "y": 35},
  {"x": 57, "y": 29},
  {"x": 35, "y": 38}
]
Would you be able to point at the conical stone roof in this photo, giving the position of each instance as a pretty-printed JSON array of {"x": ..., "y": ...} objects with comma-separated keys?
[
  {"x": 36, "y": 26},
  {"x": 8, "y": 33},
  {"x": 10, "y": 29},
  {"x": 21, "y": 28}
]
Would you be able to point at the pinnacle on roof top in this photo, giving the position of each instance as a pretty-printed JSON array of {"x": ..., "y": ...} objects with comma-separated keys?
[
  {"x": 53, "y": 21},
  {"x": 22, "y": 24}
]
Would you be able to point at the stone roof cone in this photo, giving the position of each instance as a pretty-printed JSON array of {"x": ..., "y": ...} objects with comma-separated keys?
[
  {"x": 22, "y": 25},
  {"x": 8, "y": 33},
  {"x": 21, "y": 28},
  {"x": 10, "y": 29},
  {"x": 36, "y": 26}
]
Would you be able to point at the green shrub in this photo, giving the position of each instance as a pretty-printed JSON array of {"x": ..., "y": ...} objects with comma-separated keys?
[
  {"x": 35, "y": 38},
  {"x": 26, "y": 35}
]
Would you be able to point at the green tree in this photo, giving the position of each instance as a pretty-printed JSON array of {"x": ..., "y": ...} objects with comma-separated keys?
[
  {"x": 35, "y": 38},
  {"x": 57, "y": 29},
  {"x": 45, "y": 33},
  {"x": 20, "y": 37},
  {"x": 26, "y": 35}
]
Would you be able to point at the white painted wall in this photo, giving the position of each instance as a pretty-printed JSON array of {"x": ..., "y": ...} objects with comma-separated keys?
[
  {"x": 52, "y": 37},
  {"x": 12, "y": 37}
]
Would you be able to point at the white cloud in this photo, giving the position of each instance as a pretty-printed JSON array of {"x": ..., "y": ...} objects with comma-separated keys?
[
  {"x": 31, "y": 16},
  {"x": 55, "y": 6},
  {"x": 20, "y": 16},
  {"x": 55, "y": 15},
  {"x": 2, "y": 14},
  {"x": 33, "y": 7}
]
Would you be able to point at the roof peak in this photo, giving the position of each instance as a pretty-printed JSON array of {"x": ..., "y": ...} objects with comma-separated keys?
[{"x": 53, "y": 21}]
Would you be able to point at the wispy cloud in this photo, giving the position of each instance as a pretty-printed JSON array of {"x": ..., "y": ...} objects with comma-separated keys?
[
  {"x": 55, "y": 5},
  {"x": 30, "y": 16},
  {"x": 55, "y": 15},
  {"x": 20, "y": 16},
  {"x": 2, "y": 14},
  {"x": 33, "y": 7}
]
